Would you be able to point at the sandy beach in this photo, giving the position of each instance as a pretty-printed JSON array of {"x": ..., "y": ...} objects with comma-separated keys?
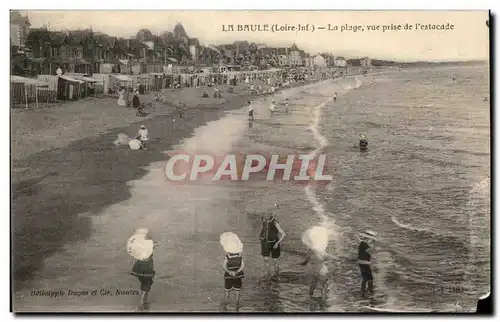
[{"x": 59, "y": 188}]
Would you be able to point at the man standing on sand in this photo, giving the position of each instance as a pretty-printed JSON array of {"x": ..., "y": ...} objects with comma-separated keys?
[
  {"x": 365, "y": 256},
  {"x": 271, "y": 236}
]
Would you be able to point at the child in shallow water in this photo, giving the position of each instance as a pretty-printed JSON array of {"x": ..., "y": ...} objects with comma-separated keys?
[
  {"x": 233, "y": 266},
  {"x": 317, "y": 271}
]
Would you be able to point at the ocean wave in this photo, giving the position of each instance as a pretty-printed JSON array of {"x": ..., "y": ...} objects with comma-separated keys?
[
  {"x": 410, "y": 227},
  {"x": 327, "y": 220}
]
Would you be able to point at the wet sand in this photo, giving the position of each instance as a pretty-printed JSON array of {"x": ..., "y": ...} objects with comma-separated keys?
[
  {"x": 87, "y": 176},
  {"x": 56, "y": 216}
]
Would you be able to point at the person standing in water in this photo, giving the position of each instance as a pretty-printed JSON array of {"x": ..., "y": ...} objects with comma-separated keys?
[
  {"x": 272, "y": 108},
  {"x": 250, "y": 111},
  {"x": 271, "y": 236},
  {"x": 233, "y": 277},
  {"x": 335, "y": 97},
  {"x": 144, "y": 269},
  {"x": 365, "y": 256},
  {"x": 287, "y": 107},
  {"x": 363, "y": 143},
  {"x": 318, "y": 271}
]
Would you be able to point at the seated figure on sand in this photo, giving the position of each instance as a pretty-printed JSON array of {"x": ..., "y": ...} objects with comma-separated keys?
[{"x": 143, "y": 136}]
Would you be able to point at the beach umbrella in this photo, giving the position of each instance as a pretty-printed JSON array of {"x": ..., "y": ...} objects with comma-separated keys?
[
  {"x": 139, "y": 247},
  {"x": 134, "y": 144},
  {"x": 316, "y": 238},
  {"x": 231, "y": 243}
]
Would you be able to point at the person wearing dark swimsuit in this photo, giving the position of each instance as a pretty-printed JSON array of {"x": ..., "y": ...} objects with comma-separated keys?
[
  {"x": 233, "y": 277},
  {"x": 363, "y": 143},
  {"x": 271, "y": 236},
  {"x": 365, "y": 260}
]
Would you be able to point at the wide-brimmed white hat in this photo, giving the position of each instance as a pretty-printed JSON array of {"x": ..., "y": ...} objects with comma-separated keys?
[
  {"x": 231, "y": 243},
  {"x": 316, "y": 238},
  {"x": 368, "y": 234},
  {"x": 139, "y": 247}
]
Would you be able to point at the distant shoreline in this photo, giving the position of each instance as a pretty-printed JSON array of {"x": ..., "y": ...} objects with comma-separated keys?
[{"x": 383, "y": 63}]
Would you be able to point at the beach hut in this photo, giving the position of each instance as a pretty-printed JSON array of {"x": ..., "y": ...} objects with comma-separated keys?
[
  {"x": 68, "y": 88},
  {"x": 22, "y": 85},
  {"x": 88, "y": 81},
  {"x": 117, "y": 80},
  {"x": 158, "y": 81}
]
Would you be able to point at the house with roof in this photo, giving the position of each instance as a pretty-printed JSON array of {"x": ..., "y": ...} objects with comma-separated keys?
[
  {"x": 181, "y": 48},
  {"x": 19, "y": 28},
  {"x": 102, "y": 54},
  {"x": 319, "y": 61},
  {"x": 340, "y": 62},
  {"x": 194, "y": 49},
  {"x": 295, "y": 56},
  {"x": 365, "y": 62},
  {"x": 283, "y": 58},
  {"x": 228, "y": 50},
  {"x": 241, "y": 47}
]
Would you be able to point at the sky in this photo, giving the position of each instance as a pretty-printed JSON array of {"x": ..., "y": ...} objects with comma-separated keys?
[{"x": 468, "y": 40}]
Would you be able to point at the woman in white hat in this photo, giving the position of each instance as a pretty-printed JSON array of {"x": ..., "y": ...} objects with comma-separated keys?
[
  {"x": 365, "y": 256},
  {"x": 140, "y": 246}
]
